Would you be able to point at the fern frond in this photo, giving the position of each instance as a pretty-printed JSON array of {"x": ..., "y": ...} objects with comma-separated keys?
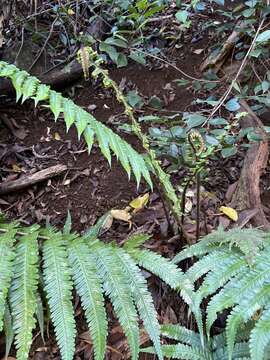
[
  {"x": 7, "y": 255},
  {"x": 135, "y": 241},
  {"x": 182, "y": 334},
  {"x": 58, "y": 287},
  {"x": 240, "y": 352},
  {"x": 181, "y": 351},
  {"x": 142, "y": 297},
  {"x": 23, "y": 292},
  {"x": 221, "y": 273},
  {"x": 30, "y": 87},
  {"x": 260, "y": 336},
  {"x": 247, "y": 307},
  {"x": 87, "y": 284},
  {"x": 116, "y": 286},
  {"x": 167, "y": 271},
  {"x": 249, "y": 241}
]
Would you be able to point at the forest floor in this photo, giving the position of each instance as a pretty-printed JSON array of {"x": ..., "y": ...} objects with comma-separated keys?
[{"x": 89, "y": 187}]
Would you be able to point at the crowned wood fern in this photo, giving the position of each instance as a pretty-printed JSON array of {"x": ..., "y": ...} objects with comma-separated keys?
[{"x": 93, "y": 269}]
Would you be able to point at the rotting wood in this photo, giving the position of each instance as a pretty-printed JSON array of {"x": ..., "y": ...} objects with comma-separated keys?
[
  {"x": 247, "y": 193},
  {"x": 28, "y": 180},
  {"x": 56, "y": 78},
  {"x": 217, "y": 61}
]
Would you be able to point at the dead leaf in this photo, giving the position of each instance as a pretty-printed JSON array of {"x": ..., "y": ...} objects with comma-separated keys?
[
  {"x": 198, "y": 51},
  {"x": 230, "y": 212},
  {"x": 121, "y": 215},
  {"x": 16, "y": 168},
  {"x": 56, "y": 136}
]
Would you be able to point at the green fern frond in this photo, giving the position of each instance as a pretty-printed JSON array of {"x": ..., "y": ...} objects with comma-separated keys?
[
  {"x": 23, "y": 292},
  {"x": 117, "y": 288},
  {"x": 135, "y": 241},
  {"x": 58, "y": 287},
  {"x": 7, "y": 255},
  {"x": 249, "y": 241},
  {"x": 260, "y": 336},
  {"x": 182, "y": 334},
  {"x": 27, "y": 86},
  {"x": 87, "y": 284},
  {"x": 182, "y": 351},
  {"x": 142, "y": 298}
]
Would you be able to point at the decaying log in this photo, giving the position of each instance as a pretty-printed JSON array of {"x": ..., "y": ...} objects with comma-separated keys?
[
  {"x": 218, "y": 60},
  {"x": 56, "y": 78},
  {"x": 247, "y": 193},
  {"x": 29, "y": 180}
]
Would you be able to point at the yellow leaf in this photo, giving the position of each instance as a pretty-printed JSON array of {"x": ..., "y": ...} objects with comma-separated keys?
[
  {"x": 57, "y": 136},
  {"x": 139, "y": 203},
  {"x": 16, "y": 168},
  {"x": 70, "y": 11},
  {"x": 121, "y": 215},
  {"x": 230, "y": 212}
]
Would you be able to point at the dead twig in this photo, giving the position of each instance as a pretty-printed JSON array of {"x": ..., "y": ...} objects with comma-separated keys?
[{"x": 29, "y": 180}]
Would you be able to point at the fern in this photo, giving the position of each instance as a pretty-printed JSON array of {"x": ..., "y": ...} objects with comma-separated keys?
[
  {"x": 115, "y": 285},
  {"x": 23, "y": 291},
  {"x": 27, "y": 86},
  {"x": 189, "y": 347},
  {"x": 58, "y": 286},
  {"x": 7, "y": 255},
  {"x": 89, "y": 288},
  {"x": 93, "y": 269},
  {"x": 235, "y": 271}
]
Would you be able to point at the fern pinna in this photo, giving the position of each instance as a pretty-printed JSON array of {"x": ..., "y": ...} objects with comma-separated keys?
[
  {"x": 235, "y": 271},
  {"x": 188, "y": 345},
  {"x": 27, "y": 86},
  {"x": 34, "y": 259}
]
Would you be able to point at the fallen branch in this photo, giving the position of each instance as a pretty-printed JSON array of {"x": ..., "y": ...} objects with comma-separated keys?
[
  {"x": 218, "y": 60},
  {"x": 56, "y": 78},
  {"x": 29, "y": 180},
  {"x": 247, "y": 193}
]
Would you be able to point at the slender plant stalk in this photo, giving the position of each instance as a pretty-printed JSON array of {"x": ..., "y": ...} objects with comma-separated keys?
[{"x": 164, "y": 179}]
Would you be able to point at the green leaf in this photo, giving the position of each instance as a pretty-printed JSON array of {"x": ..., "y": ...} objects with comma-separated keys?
[
  {"x": 89, "y": 135},
  {"x": 8, "y": 330},
  {"x": 88, "y": 286},
  {"x": 23, "y": 292},
  {"x": 117, "y": 42},
  {"x": 69, "y": 112},
  {"x": 117, "y": 288},
  {"x": 7, "y": 255},
  {"x": 121, "y": 60},
  {"x": 55, "y": 103},
  {"x": 232, "y": 105},
  {"x": 263, "y": 37},
  {"x": 58, "y": 287},
  {"x": 142, "y": 298},
  {"x": 182, "y": 16},
  {"x": 228, "y": 151},
  {"x": 194, "y": 120},
  {"x": 138, "y": 57}
]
